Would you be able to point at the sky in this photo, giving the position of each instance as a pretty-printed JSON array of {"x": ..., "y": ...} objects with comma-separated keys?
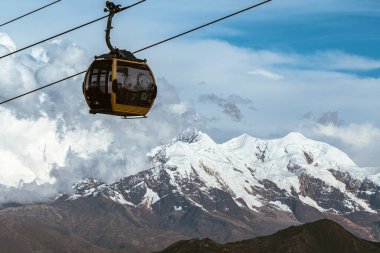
[{"x": 288, "y": 66}]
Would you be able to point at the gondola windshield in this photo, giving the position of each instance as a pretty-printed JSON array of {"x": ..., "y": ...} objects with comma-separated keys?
[{"x": 135, "y": 85}]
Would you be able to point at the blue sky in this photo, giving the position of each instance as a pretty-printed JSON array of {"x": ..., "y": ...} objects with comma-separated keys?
[
  {"x": 289, "y": 25},
  {"x": 291, "y": 65}
]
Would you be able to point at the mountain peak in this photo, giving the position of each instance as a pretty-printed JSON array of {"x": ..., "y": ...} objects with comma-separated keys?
[
  {"x": 244, "y": 161},
  {"x": 87, "y": 186},
  {"x": 239, "y": 142},
  {"x": 244, "y": 138},
  {"x": 192, "y": 135},
  {"x": 295, "y": 136}
]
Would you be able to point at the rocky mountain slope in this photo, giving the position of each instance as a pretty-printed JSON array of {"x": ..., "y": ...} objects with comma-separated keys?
[
  {"x": 196, "y": 188},
  {"x": 251, "y": 186},
  {"x": 322, "y": 236}
]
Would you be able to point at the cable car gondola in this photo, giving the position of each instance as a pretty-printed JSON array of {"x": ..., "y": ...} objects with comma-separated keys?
[{"x": 118, "y": 83}]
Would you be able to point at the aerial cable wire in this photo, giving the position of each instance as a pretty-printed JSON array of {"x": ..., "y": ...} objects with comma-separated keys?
[
  {"x": 43, "y": 87},
  {"x": 202, "y": 26},
  {"x": 52, "y": 37},
  {"x": 26, "y": 14},
  {"x": 68, "y": 31},
  {"x": 145, "y": 48}
]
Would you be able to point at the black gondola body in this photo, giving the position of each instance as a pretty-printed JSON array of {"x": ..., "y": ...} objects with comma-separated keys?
[
  {"x": 118, "y": 86},
  {"x": 118, "y": 83}
]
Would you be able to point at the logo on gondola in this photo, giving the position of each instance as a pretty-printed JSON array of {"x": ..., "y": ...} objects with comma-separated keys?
[{"x": 143, "y": 82}]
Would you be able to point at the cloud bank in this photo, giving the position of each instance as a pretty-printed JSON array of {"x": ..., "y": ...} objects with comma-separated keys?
[
  {"x": 361, "y": 141},
  {"x": 230, "y": 105},
  {"x": 49, "y": 140}
]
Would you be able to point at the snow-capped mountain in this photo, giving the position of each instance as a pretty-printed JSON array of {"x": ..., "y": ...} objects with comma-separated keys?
[
  {"x": 250, "y": 186},
  {"x": 196, "y": 188},
  {"x": 244, "y": 167}
]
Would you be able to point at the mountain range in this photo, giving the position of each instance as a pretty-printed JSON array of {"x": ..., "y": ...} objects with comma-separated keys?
[{"x": 241, "y": 189}]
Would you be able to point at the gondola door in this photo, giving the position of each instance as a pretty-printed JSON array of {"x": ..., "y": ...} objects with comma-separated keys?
[{"x": 98, "y": 88}]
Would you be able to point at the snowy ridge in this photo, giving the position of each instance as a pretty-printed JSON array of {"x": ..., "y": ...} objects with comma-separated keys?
[
  {"x": 257, "y": 174},
  {"x": 243, "y": 162}
]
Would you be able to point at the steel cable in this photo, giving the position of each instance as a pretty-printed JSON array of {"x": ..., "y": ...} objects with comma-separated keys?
[
  {"x": 62, "y": 33},
  {"x": 26, "y": 14},
  {"x": 145, "y": 48}
]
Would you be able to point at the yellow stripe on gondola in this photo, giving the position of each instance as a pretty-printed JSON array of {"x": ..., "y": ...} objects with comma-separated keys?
[{"x": 128, "y": 109}]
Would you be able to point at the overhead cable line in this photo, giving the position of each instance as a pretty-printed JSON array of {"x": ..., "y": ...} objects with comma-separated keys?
[
  {"x": 145, "y": 48},
  {"x": 26, "y": 14},
  {"x": 68, "y": 31},
  {"x": 202, "y": 26},
  {"x": 52, "y": 37},
  {"x": 43, "y": 87}
]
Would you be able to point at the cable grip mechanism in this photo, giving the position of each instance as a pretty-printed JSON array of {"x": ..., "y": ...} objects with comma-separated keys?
[{"x": 112, "y": 9}]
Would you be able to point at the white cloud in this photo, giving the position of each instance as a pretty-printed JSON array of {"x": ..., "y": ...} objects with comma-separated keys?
[
  {"x": 54, "y": 139},
  {"x": 361, "y": 141},
  {"x": 179, "y": 108},
  {"x": 358, "y": 136},
  {"x": 49, "y": 140},
  {"x": 336, "y": 61},
  {"x": 266, "y": 74},
  {"x": 309, "y": 83},
  {"x": 29, "y": 148},
  {"x": 6, "y": 43},
  {"x": 39, "y": 53},
  {"x": 339, "y": 60}
]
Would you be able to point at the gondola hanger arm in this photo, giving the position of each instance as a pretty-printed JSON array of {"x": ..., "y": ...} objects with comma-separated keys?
[{"x": 113, "y": 9}]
